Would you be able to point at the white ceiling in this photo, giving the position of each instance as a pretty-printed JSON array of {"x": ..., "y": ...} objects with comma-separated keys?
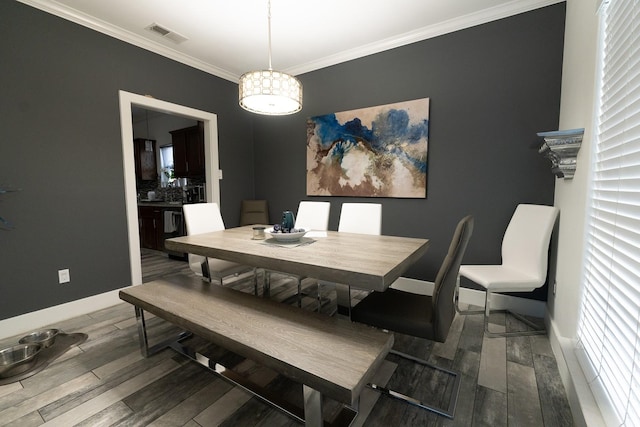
[{"x": 229, "y": 37}]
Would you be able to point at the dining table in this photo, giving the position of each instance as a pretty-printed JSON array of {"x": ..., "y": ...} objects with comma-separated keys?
[{"x": 369, "y": 262}]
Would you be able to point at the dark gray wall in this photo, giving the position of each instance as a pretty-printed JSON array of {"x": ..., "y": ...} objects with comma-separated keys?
[
  {"x": 61, "y": 145},
  {"x": 492, "y": 87}
]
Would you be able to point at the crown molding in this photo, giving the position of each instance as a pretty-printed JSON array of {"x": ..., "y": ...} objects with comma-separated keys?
[
  {"x": 506, "y": 10},
  {"x": 511, "y": 8},
  {"x": 104, "y": 27}
]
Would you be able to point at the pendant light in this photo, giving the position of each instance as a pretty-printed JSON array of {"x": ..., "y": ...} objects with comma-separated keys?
[{"x": 270, "y": 92}]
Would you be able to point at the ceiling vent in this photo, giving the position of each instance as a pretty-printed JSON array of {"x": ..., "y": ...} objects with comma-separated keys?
[{"x": 166, "y": 33}]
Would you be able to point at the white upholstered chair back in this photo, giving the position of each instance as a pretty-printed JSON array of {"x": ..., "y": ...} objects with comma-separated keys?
[
  {"x": 525, "y": 245},
  {"x": 201, "y": 218},
  {"x": 362, "y": 218},
  {"x": 313, "y": 215}
]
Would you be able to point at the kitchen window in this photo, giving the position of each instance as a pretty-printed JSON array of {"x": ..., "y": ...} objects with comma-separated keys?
[{"x": 166, "y": 165}]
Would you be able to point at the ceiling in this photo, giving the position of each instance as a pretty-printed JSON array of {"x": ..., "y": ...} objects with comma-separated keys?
[{"x": 229, "y": 37}]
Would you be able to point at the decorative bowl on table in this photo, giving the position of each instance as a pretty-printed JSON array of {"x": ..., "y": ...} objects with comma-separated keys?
[
  {"x": 18, "y": 359},
  {"x": 45, "y": 337},
  {"x": 291, "y": 236}
]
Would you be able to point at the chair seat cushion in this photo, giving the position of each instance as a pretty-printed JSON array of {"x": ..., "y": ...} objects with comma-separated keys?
[
  {"x": 397, "y": 311},
  {"x": 498, "y": 278}
]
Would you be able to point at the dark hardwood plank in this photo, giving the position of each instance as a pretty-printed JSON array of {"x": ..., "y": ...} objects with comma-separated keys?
[
  {"x": 491, "y": 408},
  {"x": 518, "y": 348},
  {"x": 110, "y": 416},
  {"x": 467, "y": 363},
  {"x": 472, "y": 334},
  {"x": 523, "y": 402},
  {"x": 553, "y": 398}
]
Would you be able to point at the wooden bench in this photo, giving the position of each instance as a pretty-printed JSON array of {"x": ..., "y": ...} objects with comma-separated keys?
[{"x": 329, "y": 356}]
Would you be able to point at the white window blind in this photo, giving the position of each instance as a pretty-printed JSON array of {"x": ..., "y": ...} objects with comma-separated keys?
[{"x": 609, "y": 328}]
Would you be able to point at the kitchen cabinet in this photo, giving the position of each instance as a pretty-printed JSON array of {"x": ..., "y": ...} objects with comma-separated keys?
[
  {"x": 151, "y": 227},
  {"x": 145, "y": 159},
  {"x": 188, "y": 151}
]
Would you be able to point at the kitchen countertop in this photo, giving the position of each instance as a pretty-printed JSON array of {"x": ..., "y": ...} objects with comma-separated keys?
[{"x": 160, "y": 204}]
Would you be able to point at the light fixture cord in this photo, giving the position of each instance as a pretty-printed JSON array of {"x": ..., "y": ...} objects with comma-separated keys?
[{"x": 269, "y": 22}]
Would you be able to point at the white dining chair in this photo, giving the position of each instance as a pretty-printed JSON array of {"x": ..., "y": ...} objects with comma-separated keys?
[
  {"x": 311, "y": 216},
  {"x": 525, "y": 254},
  {"x": 360, "y": 218},
  {"x": 204, "y": 218}
]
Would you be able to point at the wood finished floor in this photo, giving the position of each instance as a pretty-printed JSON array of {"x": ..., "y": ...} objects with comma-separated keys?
[{"x": 105, "y": 381}]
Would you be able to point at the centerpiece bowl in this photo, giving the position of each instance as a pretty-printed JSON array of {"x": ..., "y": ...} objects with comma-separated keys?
[{"x": 285, "y": 237}]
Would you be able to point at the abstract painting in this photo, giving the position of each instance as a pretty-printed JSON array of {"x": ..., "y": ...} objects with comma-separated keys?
[{"x": 370, "y": 152}]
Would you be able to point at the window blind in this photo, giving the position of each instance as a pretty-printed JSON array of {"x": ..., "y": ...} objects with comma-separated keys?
[{"x": 609, "y": 327}]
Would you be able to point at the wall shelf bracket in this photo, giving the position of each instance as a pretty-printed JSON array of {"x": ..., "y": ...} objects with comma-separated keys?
[{"x": 561, "y": 147}]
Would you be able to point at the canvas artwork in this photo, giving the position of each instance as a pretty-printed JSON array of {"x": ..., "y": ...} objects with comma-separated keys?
[{"x": 370, "y": 152}]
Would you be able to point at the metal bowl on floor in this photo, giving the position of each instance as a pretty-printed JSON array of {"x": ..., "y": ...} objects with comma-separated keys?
[
  {"x": 45, "y": 337},
  {"x": 18, "y": 359}
]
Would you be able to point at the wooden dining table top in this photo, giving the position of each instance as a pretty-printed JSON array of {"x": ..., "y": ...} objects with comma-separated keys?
[{"x": 365, "y": 261}]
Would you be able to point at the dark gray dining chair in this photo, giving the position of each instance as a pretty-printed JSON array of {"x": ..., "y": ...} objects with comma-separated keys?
[
  {"x": 254, "y": 212},
  {"x": 419, "y": 315}
]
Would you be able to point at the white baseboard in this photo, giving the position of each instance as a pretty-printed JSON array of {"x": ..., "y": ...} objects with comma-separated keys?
[{"x": 35, "y": 320}]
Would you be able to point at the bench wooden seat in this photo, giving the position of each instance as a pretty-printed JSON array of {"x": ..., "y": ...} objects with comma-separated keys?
[{"x": 332, "y": 356}]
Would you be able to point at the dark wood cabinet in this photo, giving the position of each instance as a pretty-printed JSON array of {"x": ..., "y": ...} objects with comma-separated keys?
[
  {"x": 188, "y": 151},
  {"x": 151, "y": 227},
  {"x": 145, "y": 159}
]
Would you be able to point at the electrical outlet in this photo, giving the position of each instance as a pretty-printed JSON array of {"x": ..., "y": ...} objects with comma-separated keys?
[
  {"x": 555, "y": 284},
  {"x": 64, "y": 276}
]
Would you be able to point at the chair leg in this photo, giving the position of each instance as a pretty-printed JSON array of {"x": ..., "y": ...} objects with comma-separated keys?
[
  {"x": 266, "y": 283},
  {"x": 449, "y": 412},
  {"x": 205, "y": 269},
  {"x": 343, "y": 299},
  {"x": 491, "y": 334},
  {"x": 255, "y": 281},
  {"x": 456, "y": 302},
  {"x": 487, "y": 312},
  {"x": 321, "y": 299}
]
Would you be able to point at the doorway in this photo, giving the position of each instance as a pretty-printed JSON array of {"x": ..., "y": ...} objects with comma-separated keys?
[{"x": 127, "y": 100}]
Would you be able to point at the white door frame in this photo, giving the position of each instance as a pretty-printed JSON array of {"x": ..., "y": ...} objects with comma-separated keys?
[{"x": 212, "y": 164}]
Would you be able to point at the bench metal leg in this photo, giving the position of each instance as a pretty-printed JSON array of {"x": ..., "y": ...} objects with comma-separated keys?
[{"x": 144, "y": 340}]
